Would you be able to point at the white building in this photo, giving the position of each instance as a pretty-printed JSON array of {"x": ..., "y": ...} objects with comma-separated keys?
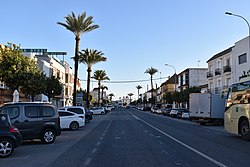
[
  {"x": 52, "y": 66},
  {"x": 191, "y": 77},
  {"x": 241, "y": 59},
  {"x": 219, "y": 73}
]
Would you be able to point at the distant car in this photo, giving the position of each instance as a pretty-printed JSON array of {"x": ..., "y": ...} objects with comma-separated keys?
[
  {"x": 110, "y": 107},
  {"x": 166, "y": 111},
  {"x": 98, "y": 110},
  {"x": 10, "y": 137},
  {"x": 173, "y": 112},
  {"x": 177, "y": 112},
  {"x": 153, "y": 109},
  {"x": 70, "y": 120},
  {"x": 185, "y": 114},
  {"x": 180, "y": 112}
]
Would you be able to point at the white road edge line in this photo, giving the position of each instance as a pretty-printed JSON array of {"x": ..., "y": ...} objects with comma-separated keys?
[{"x": 181, "y": 143}]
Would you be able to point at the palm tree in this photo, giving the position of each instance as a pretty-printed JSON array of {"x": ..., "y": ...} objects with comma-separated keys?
[
  {"x": 110, "y": 97},
  {"x": 103, "y": 88},
  {"x": 151, "y": 71},
  {"x": 78, "y": 25},
  {"x": 100, "y": 75},
  {"x": 130, "y": 94},
  {"x": 138, "y": 87},
  {"x": 89, "y": 58}
]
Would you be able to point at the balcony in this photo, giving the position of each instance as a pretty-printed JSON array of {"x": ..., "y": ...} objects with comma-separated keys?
[
  {"x": 209, "y": 74},
  {"x": 218, "y": 71},
  {"x": 227, "y": 68}
]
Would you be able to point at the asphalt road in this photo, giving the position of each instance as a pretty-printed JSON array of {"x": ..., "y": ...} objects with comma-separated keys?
[{"x": 128, "y": 137}]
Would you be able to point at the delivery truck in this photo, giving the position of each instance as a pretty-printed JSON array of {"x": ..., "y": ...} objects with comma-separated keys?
[{"x": 207, "y": 108}]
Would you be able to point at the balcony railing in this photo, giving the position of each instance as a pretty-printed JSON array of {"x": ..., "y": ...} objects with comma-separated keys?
[
  {"x": 218, "y": 71},
  {"x": 227, "y": 68},
  {"x": 209, "y": 74}
]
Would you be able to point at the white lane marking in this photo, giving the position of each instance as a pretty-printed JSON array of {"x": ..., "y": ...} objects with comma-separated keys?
[
  {"x": 94, "y": 150},
  {"x": 98, "y": 143},
  {"x": 101, "y": 138},
  {"x": 181, "y": 143},
  {"x": 87, "y": 162}
]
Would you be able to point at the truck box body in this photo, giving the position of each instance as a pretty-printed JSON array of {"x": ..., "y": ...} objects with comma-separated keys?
[{"x": 206, "y": 107}]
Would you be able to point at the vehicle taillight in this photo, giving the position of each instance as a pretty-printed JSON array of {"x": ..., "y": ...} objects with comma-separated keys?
[{"x": 13, "y": 129}]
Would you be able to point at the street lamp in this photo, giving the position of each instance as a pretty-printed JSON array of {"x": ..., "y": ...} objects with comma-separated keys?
[
  {"x": 174, "y": 76},
  {"x": 232, "y": 14}
]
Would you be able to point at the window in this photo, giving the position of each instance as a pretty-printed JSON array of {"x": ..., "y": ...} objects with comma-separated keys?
[
  {"x": 76, "y": 110},
  {"x": 31, "y": 111},
  {"x": 13, "y": 112},
  {"x": 228, "y": 62},
  {"x": 64, "y": 114},
  {"x": 47, "y": 111},
  {"x": 66, "y": 78},
  {"x": 243, "y": 58}
]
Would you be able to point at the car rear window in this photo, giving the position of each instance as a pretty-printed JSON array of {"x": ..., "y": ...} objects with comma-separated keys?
[
  {"x": 76, "y": 110},
  {"x": 13, "y": 112},
  {"x": 64, "y": 114}
]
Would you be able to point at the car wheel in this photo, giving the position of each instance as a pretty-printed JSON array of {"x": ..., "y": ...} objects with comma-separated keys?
[
  {"x": 74, "y": 126},
  {"x": 48, "y": 136},
  {"x": 102, "y": 113},
  {"x": 244, "y": 130},
  {"x": 6, "y": 147}
]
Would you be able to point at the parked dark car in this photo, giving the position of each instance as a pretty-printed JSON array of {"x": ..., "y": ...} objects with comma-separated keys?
[
  {"x": 180, "y": 111},
  {"x": 35, "y": 120},
  {"x": 10, "y": 137},
  {"x": 166, "y": 111}
]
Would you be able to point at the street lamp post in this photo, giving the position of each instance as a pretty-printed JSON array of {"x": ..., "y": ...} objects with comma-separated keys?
[
  {"x": 174, "y": 76},
  {"x": 232, "y": 14}
]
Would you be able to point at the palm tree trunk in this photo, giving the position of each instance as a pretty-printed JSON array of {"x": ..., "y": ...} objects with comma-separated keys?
[
  {"x": 88, "y": 87},
  {"x": 152, "y": 90},
  {"x": 76, "y": 68},
  {"x": 102, "y": 95},
  {"x": 99, "y": 87}
]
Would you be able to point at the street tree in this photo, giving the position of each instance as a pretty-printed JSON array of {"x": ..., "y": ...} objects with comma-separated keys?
[
  {"x": 130, "y": 95},
  {"x": 53, "y": 87},
  {"x": 15, "y": 68},
  {"x": 111, "y": 95},
  {"x": 34, "y": 84},
  {"x": 138, "y": 87},
  {"x": 103, "y": 88},
  {"x": 100, "y": 75},
  {"x": 89, "y": 57},
  {"x": 78, "y": 25},
  {"x": 151, "y": 71}
]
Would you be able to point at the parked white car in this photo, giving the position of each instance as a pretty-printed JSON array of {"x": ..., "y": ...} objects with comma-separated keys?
[
  {"x": 75, "y": 109},
  {"x": 98, "y": 110},
  {"x": 70, "y": 120}
]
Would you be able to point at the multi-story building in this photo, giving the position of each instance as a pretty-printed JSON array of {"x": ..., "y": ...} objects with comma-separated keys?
[
  {"x": 219, "y": 73},
  {"x": 241, "y": 59},
  {"x": 168, "y": 86},
  {"x": 192, "y": 77},
  {"x": 52, "y": 66}
]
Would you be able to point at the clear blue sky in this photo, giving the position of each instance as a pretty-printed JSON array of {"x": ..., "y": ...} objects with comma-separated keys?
[{"x": 134, "y": 34}]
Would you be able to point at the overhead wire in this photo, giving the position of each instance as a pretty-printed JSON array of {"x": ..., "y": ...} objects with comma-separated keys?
[{"x": 126, "y": 81}]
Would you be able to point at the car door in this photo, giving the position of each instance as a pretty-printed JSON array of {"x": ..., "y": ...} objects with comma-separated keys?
[
  {"x": 65, "y": 119},
  {"x": 32, "y": 122}
]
